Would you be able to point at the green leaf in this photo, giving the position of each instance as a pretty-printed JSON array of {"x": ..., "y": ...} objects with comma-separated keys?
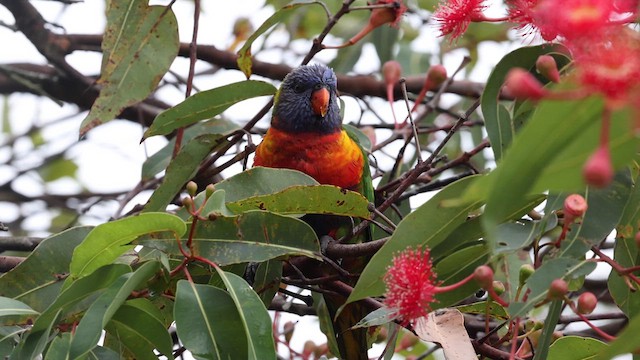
[
  {"x": 59, "y": 348},
  {"x": 261, "y": 181},
  {"x": 108, "y": 241},
  {"x": 626, "y": 341},
  {"x": 10, "y": 306},
  {"x": 37, "y": 280},
  {"x": 58, "y": 169},
  {"x": 510, "y": 180},
  {"x": 244, "y": 54},
  {"x": 605, "y": 210},
  {"x": 143, "y": 324},
  {"x": 497, "y": 121},
  {"x": 455, "y": 268},
  {"x": 575, "y": 348},
  {"x": 315, "y": 199},
  {"x": 207, "y": 104},
  {"x": 255, "y": 319},
  {"x": 161, "y": 159},
  {"x": 254, "y": 236},
  {"x": 77, "y": 291},
  {"x": 384, "y": 38},
  {"x": 182, "y": 169},
  {"x": 415, "y": 231},
  {"x": 377, "y": 317},
  {"x": 267, "y": 280},
  {"x": 489, "y": 308},
  {"x": 626, "y": 254},
  {"x": 208, "y": 322},
  {"x": 99, "y": 314},
  {"x": 132, "y": 66}
]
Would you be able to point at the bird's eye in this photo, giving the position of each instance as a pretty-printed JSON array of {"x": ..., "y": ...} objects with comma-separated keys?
[{"x": 298, "y": 88}]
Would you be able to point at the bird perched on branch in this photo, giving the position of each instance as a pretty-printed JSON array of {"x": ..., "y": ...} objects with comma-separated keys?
[{"x": 306, "y": 134}]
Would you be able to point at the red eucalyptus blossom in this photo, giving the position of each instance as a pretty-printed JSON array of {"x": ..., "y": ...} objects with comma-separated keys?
[
  {"x": 411, "y": 284},
  {"x": 454, "y": 16}
]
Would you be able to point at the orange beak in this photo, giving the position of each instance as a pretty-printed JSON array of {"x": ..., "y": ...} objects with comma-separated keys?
[{"x": 320, "y": 101}]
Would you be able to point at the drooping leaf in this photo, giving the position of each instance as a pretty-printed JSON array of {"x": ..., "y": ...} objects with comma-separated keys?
[
  {"x": 9, "y": 307},
  {"x": 108, "y": 241},
  {"x": 253, "y": 314},
  {"x": 208, "y": 322},
  {"x": 414, "y": 231},
  {"x": 132, "y": 66},
  {"x": 38, "y": 336},
  {"x": 318, "y": 199},
  {"x": 207, "y": 104},
  {"x": 182, "y": 169},
  {"x": 138, "y": 322},
  {"x": 90, "y": 328},
  {"x": 626, "y": 254},
  {"x": 511, "y": 180},
  {"x": 37, "y": 280}
]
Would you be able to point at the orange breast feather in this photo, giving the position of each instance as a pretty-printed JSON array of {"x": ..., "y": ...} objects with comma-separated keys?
[{"x": 332, "y": 159}]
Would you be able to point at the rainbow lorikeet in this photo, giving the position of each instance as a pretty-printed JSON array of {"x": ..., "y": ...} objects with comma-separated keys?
[{"x": 306, "y": 134}]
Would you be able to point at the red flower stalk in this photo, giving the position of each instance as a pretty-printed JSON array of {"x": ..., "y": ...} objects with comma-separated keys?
[
  {"x": 547, "y": 66},
  {"x": 411, "y": 284},
  {"x": 598, "y": 170},
  {"x": 380, "y": 15},
  {"x": 454, "y": 16},
  {"x": 392, "y": 71},
  {"x": 436, "y": 75},
  {"x": 523, "y": 85}
]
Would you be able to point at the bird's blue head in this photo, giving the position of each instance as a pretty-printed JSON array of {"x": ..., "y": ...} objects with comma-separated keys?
[{"x": 307, "y": 101}]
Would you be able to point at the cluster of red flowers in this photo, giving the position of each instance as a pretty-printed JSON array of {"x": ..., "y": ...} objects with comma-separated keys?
[{"x": 605, "y": 51}]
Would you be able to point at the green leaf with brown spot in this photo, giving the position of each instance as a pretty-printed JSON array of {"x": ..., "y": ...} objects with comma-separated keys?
[
  {"x": 254, "y": 236},
  {"x": 318, "y": 199},
  {"x": 139, "y": 45}
]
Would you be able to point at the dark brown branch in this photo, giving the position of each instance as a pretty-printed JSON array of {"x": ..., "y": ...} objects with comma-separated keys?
[
  {"x": 9, "y": 262},
  {"x": 19, "y": 243}
]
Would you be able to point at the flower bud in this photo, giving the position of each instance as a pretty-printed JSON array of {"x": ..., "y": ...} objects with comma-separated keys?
[
  {"x": 574, "y": 207},
  {"x": 187, "y": 202},
  {"x": 522, "y": 85},
  {"x": 598, "y": 170},
  {"x": 384, "y": 15},
  {"x": 526, "y": 271},
  {"x": 287, "y": 330},
  {"x": 637, "y": 239},
  {"x": 408, "y": 340},
  {"x": 308, "y": 349},
  {"x": 484, "y": 276},
  {"x": 558, "y": 289},
  {"x": 436, "y": 75},
  {"x": 498, "y": 287},
  {"x": 546, "y": 65},
  {"x": 192, "y": 188},
  {"x": 587, "y": 303},
  {"x": 209, "y": 190}
]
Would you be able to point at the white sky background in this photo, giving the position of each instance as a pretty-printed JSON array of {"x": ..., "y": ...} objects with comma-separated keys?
[{"x": 110, "y": 158}]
